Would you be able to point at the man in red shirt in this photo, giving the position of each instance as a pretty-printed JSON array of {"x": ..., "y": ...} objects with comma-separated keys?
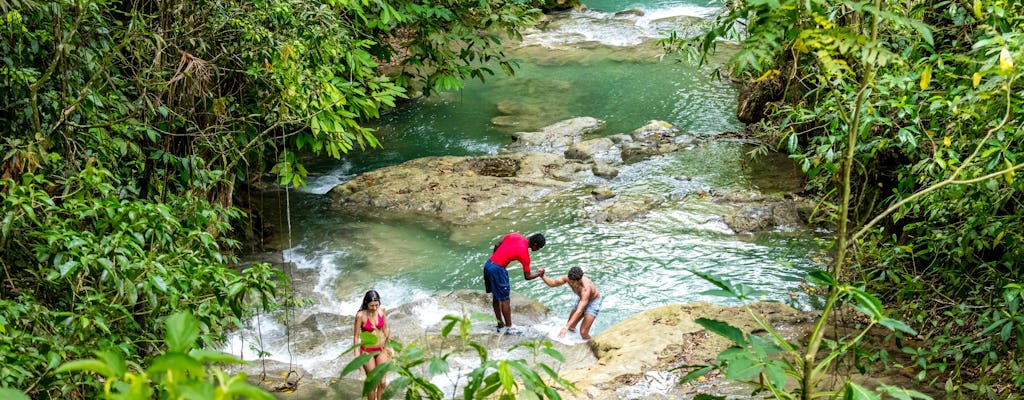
[{"x": 512, "y": 247}]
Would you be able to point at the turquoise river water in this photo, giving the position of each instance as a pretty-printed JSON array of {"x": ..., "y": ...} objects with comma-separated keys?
[{"x": 599, "y": 63}]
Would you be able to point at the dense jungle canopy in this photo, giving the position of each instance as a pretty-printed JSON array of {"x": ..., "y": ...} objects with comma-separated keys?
[{"x": 129, "y": 127}]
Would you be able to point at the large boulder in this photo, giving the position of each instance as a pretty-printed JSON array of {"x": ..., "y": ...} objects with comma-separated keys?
[
  {"x": 461, "y": 189},
  {"x": 638, "y": 355},
  {"x": 555, "y": 138}
]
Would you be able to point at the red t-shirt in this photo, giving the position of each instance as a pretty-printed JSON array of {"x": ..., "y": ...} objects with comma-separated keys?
[{"x": 513, "y": 247}]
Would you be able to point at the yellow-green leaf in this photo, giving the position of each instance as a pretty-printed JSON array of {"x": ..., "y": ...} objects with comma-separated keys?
[
  {"x": 977, "y": 9},
  {"x": 976, "y": 79},
  {"x": 1009, "y": 174},
  {"x": 767, "y": 74},
  {"x": 1005, "y": 60},
  {"x": 926, "y": 77},
  {"x": 947, "y": 141}
]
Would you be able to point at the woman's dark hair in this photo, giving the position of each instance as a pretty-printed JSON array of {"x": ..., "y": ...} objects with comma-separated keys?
[
  {"x": 575, "y": 273},
  {"x": 537, "y": 241},
  {"x": 368, "y": 298}
]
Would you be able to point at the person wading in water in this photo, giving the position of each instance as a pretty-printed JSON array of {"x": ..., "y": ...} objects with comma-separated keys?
[{"x": 588, "y": 305}]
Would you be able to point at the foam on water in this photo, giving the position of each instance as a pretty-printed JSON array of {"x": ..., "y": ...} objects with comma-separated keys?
[
  {"x": 615, "y": 29},
  {"x": 321, "y": 184}
]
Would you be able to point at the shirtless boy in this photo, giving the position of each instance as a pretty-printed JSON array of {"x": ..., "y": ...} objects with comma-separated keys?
[{"x": 587, "y": 306}]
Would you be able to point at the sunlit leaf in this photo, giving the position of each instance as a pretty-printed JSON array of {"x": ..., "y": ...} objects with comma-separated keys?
[
  {"x": 1005, "y": 60},
  {"x": 926, "y": 77}
]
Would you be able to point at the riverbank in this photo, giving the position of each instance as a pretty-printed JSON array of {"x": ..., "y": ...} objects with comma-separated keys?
[{"x": 642, "y": 357}]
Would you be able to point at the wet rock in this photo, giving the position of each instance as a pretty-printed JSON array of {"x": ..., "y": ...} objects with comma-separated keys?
[
  {"x": 654, "y": 138},
  {"x": 655, "y": 341},
  {"x": 623, "y": 209},
  {"x": 604, "y": 170},
  {"x": 602, "y": 193},
  {"x": 636, "y": 12},
  {"x": 601, "y": 149},
  {"x": 620, "y": 138},
  {"x": 459, "y": 189},
  {"x": 555, "y": 138},
  {"x": 506, "y": 120},
  {"x": 766, "y": 216}
]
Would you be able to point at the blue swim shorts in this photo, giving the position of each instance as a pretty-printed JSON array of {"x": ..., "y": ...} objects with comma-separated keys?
[
  {"x": 496, "y": 281},
  {"x": 593, "y": 307}
]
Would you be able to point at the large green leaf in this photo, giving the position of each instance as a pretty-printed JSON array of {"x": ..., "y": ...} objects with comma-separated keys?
[
  {"x": 901, "y": 393},
  {"x": 897, "y": 326},
  {"x": 182, "y": 332},
  {"x": 867, "y": 303},
  {"x": 723, "y": 329},
  {"x": 12, "y": 394},
  {"x": 821, "y": 278},
  {"x": 437, "y": 366},
  {"x": 91, "y": 365},
  {"x": 856, "y": 392},
  {"x": 697, "y": 372},
  {"x": 175, "y": 362},
  {"x": 356, "y": 363},
  {"x": 722, "y": 284},
  {"x": 113, "y": 360}
]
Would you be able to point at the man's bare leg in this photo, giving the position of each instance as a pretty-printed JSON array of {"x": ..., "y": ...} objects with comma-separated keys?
[
  {"x": 497, "y": 312},
  {"x": 588, "y": 320},
  {"x": 506, "y": 311}
]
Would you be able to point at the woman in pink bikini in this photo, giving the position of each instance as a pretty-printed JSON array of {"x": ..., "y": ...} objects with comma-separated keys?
[{"x": 371, "y": 318}]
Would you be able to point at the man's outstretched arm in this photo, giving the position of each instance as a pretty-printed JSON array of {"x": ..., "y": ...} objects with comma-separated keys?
[{"x": 552, "y": 282}]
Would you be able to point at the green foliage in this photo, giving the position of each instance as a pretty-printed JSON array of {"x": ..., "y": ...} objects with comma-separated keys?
[
  {"x": 442, "y": 44},
  {"x": 96, "y": 270},
  {"x": 906, "y": 117},
  {"x": 181, "y": 372},
  {"x": 767, "y": 362},
  {"x": 127, "y": 126},
  {"x": 492, "y": 378}
]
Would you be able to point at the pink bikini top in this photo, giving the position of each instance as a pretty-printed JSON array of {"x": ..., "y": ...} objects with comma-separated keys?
[{"x": 368, "y": 326}]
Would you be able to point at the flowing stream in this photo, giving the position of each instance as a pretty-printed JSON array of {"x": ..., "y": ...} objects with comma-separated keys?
[{"x": 600, "y": 63}]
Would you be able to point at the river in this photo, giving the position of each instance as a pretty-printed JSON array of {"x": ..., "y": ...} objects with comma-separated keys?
[{"x": 599, "y": 63}]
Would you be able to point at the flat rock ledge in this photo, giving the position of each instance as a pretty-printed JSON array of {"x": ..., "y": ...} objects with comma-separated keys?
[
  {"x": 461, "y": 189},
  {"x": 635, "y": 357},
  {"x": 533, "y": 168}
]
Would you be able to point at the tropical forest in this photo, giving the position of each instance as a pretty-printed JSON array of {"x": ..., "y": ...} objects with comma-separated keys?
[{"x": 296, "y": 199}]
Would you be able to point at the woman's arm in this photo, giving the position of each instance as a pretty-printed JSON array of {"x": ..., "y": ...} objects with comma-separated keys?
[
  {"x": 355, "y": 335},
  {"x": 387, "y": 327}
]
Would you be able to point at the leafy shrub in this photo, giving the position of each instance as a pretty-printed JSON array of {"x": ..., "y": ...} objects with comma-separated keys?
[{"x": 491, "y": 377}]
